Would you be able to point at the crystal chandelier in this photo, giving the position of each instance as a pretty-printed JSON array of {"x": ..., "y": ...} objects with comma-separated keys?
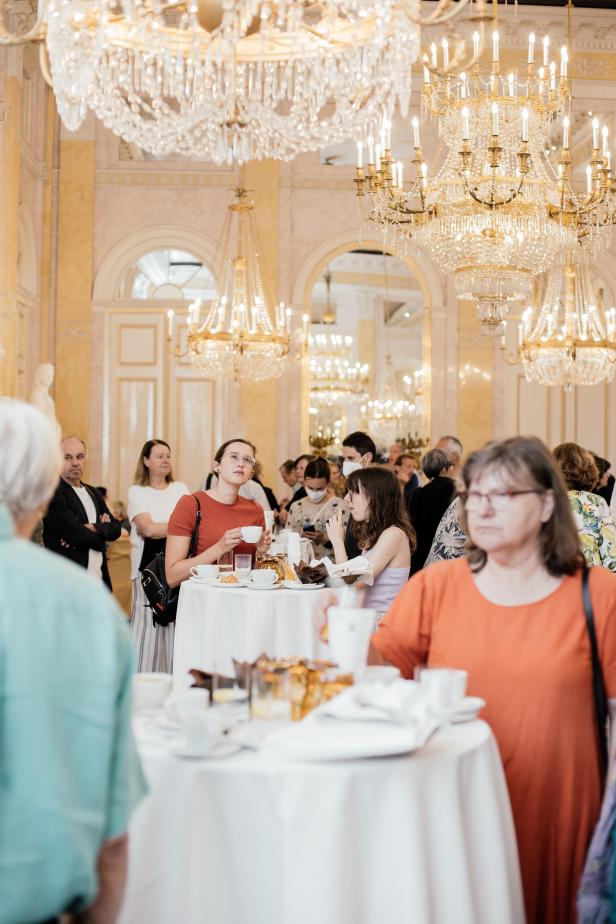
[
  {"x": 237, "y": 340},
  {"x": 335, "y": 380},
  {"x": 235, "y": 80},
  {"x": 491, "y": 212},
  {"x": 391, "y": 413},
  {"x": 568, "y": 337}
]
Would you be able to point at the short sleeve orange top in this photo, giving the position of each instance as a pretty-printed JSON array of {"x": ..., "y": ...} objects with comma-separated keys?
[
  {"x": 532, "y": 665},
  {"x": 216, "y": 519}
]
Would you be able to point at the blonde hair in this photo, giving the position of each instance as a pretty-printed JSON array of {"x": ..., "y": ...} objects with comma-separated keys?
[{"x": 142, "y": 473}]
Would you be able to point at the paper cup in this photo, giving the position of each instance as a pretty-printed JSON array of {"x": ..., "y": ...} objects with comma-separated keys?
[{"x": 350, "y": 629}]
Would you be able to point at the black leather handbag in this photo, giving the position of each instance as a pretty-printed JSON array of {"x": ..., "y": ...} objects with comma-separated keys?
[
  {"x": 162, "y": 599},
  {"x": 598, "y": 684}
]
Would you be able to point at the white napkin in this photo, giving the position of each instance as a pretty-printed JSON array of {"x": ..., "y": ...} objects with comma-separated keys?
[
  {"x": 354, "y": 566},
  {"x": 403, "y": 702}
]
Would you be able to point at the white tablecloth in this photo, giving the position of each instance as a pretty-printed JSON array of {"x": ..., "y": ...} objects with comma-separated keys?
[
  {"x": 214, "y": 625},
  {"x": 422, "y": 839}
]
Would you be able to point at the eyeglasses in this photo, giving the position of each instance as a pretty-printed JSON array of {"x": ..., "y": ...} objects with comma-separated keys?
[
  {"x": 497, "y": 500},
  {"x": 236, "y": 458}
]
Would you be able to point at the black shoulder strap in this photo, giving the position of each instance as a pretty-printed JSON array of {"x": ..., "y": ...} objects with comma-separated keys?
[
  {"x": 598, "y": 685},
  {"x": 195, "y": 536}
]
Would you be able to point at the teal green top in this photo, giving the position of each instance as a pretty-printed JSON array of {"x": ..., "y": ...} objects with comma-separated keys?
[{"x": 69, "y": 771}]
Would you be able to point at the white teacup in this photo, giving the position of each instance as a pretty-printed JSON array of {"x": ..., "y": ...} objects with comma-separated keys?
[
  {"x": 263, "y": 576},
  {"x": 444, "y": 686},
  {"x": 349, "y": 630},
  {"x": 191, "y": 702},
  {"x": 150, "y": 690},
  {"x": 251, "y": 534},
  {"x": 201, "y": 734},
  {"x": 205, "y": 572}
]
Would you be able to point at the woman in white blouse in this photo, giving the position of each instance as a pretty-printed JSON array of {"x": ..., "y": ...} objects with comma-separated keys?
[{"x": 151, "y": 501}]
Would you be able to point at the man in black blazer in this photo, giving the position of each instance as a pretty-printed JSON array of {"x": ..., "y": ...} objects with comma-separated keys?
[{"x": 78, "y": 523}]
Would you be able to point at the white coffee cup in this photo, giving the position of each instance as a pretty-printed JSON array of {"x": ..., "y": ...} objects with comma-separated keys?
[
  {"x": 200, "y": 733},
  {"x": 150, "y": 690},
  {"x": 349, "y": 630},
  {"x": 263, "y": 576},
  {"x": 251, "y": 534},
  {"x": 444, "y": 686},
  {"x": 205, "y": 572},
  {"x": 191, "y": 702}
]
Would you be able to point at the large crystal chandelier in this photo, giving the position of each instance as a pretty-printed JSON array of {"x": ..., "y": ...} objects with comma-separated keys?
[
  {"x": 231, "y": 80},
  {"x": 238, "y": 340},
  {"x": 568, "y": 337},
  {"x": 335, "y": 379},
  {"x": 491, "y": 212},
  {"x": 392, "y": 412}
]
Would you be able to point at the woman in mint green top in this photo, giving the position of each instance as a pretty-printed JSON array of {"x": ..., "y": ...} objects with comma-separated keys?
[{"x": 69, "y": 773}]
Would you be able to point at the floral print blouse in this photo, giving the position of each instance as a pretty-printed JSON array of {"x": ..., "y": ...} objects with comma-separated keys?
[
  {"x": 450, "y": 539},
  {"x": 596, "y": 528},
  {"x": 305, "y": 511}
]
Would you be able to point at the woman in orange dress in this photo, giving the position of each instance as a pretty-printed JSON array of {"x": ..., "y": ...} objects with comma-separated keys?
[{"x": 511, "y": 614}]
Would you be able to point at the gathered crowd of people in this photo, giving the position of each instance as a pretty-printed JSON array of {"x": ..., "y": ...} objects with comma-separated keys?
[{"x": 480, "y": 561}]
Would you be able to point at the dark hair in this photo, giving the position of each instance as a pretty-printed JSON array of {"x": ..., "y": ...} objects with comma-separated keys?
[
  {"x": 361, "y": 442},
  {"x": 304, "y": 455},
  {"x": 529, "y": 463},
  {"x": 142, "y": 474},
  {"x": 318, "y": 468},
  {"x": 288, "y": 465},
  {"x": 577, "y": 466},
  {"x": 603, "y": 465},
  {"x": 403, "y": 457},
  {"x": 385, "y": 506},
  {"x": 434, "y": 461},
  {"x": 222, "y": 449},
  {"x": 102, "y": 491}
]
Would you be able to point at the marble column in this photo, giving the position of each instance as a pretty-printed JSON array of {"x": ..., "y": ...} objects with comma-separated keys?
[
  {"x": 73, "y": 354},
  {"x": 258, "y": 400},
  {"x": 10, "y": 153}
]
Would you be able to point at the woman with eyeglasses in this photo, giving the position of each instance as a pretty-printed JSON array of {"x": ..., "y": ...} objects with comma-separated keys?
[
  {"x": 511, "y": 614},
  {"x": 223, "y": 512}
]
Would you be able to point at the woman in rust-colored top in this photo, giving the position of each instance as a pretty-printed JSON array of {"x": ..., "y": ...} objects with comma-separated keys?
[
  {"x": 223, "y": 513},
  {"x": 511, "y": 614}
]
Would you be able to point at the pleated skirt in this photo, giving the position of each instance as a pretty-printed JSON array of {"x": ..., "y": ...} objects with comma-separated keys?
[{"x": 153, "y": 644}]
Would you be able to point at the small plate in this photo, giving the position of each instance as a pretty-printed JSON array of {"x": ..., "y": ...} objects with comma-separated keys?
[
  {"x": 297, "y": 585},
  {"x": 273, "y": 586},
  {"x": 466, "y": 711},
  {"x": 198, "y": 580},
  {"x": 223, "y": 749},
  {"x": 235, "y": 584}
]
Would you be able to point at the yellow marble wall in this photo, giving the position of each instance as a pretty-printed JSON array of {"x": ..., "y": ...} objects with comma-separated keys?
[
  {"x": 258, "y": 400},
  {"x": 10, "y": 150},
  {"x": 74, "y": 285},
  {"x": 475, "y": 380},
  {"x": 46, "y": 334}
]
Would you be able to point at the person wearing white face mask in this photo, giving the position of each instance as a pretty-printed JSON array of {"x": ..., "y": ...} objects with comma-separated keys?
[
  {"x": 310, "y": 514},
  {"x": 358, "y": 451}
]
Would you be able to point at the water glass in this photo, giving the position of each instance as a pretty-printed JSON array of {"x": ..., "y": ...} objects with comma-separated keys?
[
  {"x": 225, "y": 563},
  {"x": 243, "y": 566}
]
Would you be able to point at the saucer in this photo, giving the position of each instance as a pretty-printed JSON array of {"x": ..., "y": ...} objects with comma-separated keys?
[
  {"x": 198, "y": 580},
  {"x": 222, "y": 749},
  {"x": 465, "y": 711},
  {"x": 297, "y": 585},
  {"x": 235, "y": 584},
  {"x": 273, "y": 586}
]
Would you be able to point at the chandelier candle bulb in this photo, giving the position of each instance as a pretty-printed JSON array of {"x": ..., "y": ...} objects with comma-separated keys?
[
  {"x": 426, "y": 71},
  {"x": 511, "y": 82},
  {"x": 564, "y": 57},
  {"x": 465, "y": 124},
  {"x": 476, "y": 45},
  {"x": 495, "y": 118},
  {"x": 566, "y": 133},
  {"x": 415, "y": 124},
  {"x": 604, "y": 134},
  {"x": 170, "y": 323},
  {"x": 595, "y": 134},
  {"x": 433, "y": 54},
  {"x": 546, "y": 50},
  {"x": 360, "y": 159},
  {"x": 495, "y": 53},
  {"x": 377, "y": 157},
  {"x": 445, "y": 46},
  {"x": 400, "y": 174},
  {"x": 371, "y": 150},
  {"x": 531, "y": 48}
]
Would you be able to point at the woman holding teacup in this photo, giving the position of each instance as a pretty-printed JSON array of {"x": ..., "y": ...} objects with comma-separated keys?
[
  {"x": 151, "y": 501},
  {"x": 511, "y": 614},
  {"x": 224, "y": 516}
]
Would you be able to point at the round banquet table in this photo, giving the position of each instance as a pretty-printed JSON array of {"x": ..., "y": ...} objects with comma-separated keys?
[
  {"x": 216, "y": 624},
  {"x": 426, "y": 838}
]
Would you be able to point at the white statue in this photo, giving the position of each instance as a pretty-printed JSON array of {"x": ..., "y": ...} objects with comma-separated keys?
[{"x": 40, "y": 397}]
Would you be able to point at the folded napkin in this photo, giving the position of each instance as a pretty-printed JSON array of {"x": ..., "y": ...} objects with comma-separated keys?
[{"x": 403, "y": 702}]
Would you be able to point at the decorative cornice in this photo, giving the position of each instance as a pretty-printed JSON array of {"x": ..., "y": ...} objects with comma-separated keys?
[{"x": 146, "y": 177}]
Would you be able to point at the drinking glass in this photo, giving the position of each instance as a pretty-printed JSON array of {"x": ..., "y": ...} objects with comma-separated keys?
[
  {"x": 225, "y": 563},
  {"x": 243, "y": 566}
]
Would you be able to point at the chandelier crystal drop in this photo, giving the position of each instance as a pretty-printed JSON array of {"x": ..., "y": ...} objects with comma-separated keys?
[
  {"x": 335, "y": 379},
  {"x": 231, "y": 81},
  {"x": 490, "y": 211},
  {"x": 568, "y": 337},
  {"x": 238, "y": 340}
]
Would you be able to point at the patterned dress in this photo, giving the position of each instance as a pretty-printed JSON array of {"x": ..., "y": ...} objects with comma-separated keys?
[
  {"x": 450, "y": 539},
  {"x": 305, "y": 511},
  {"x": 596, "y": 528}
]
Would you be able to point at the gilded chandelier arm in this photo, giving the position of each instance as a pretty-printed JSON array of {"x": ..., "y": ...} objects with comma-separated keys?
[{"x": 35, "y": 34}]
